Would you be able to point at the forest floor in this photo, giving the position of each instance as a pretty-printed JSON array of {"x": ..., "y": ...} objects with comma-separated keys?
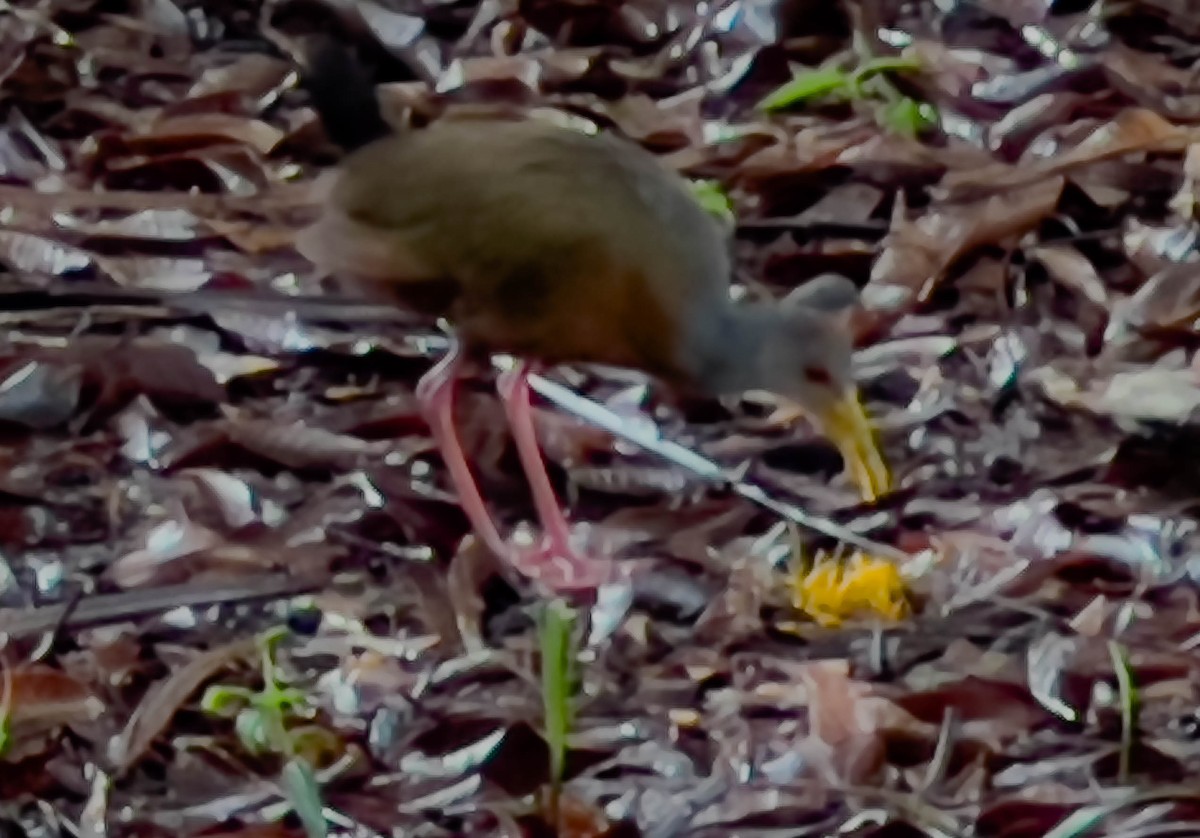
[{"x": 235, "y": 590}]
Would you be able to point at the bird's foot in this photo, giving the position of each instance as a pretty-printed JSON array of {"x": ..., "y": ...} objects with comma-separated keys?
[{"x": 560, "y": 566}]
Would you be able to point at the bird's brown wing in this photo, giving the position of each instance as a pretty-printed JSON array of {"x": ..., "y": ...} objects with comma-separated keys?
[
  {"x": 337, "y": 243},
  {"x": 553, "y": 244}
]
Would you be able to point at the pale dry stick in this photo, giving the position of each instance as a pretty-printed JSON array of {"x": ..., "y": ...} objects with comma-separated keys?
[
  {"x": 643, "y": 436},
  {"x": 936, "y": 771},
  {"x": 108, "y": 608},
  {"x": 281, "y": 197}
]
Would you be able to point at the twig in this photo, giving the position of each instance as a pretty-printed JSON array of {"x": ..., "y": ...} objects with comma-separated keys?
[
  {"x": 942, "y": 753},
  {"x": 107, "y": 608},
  {"x": 647, "y": 437},
  {"x": 282, "y": 196}
]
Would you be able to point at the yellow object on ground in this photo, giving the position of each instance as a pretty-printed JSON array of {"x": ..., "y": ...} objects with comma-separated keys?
[{"x": 834, "y": 591}]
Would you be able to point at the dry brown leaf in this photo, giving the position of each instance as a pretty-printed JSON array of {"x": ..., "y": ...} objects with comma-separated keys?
[
  {"x": 250, "y": 75},
  {"x": 1133, "y": 130},
  {"x": 1157, "y": 393},
  {"x": 1074, "y": 270},
  {"x": 483, "y": 74},
  {"x": 166, "y": 545},
  {"x": 1152, "y": 82},
  {"x": 469, "y": 569},
  {"x": 191, "y": 130},
  {"x": 844, "y": 722},
  {"x": 1002, "y": 709},
  {"x": 162, "y": 701},
  {"x": 254, "y": 237},
  {"x": 917, "y": 253},
  {"x": 1168, "y": 300},
  {"x": 43, "y": 696},
  {"x": 672, "y": 122},
  {"x": 299, "y": 444}
]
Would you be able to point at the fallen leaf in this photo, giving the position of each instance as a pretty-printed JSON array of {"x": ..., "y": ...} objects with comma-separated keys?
[
  {"x": 917, "y": 254},
  {"x": 163, "y": 700}
]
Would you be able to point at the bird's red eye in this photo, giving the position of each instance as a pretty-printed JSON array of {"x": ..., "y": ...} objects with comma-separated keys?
[{"x": 818, "y": 375}]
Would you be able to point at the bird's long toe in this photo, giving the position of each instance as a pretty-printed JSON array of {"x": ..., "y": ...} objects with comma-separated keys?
[{"x": 562, "y": 568}]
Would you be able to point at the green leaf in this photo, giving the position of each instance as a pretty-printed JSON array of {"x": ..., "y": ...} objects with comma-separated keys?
[
  {"x": 1127, "y": 691},
  {"x": 879, "y": 66},
  {"x": 225, "y": 701},
  {"x": 556, "y": 637},
  {"x": 267, "y": 642},
  {"x": 300, "y": 784},
  {"x": 271, "y": 637},
  {"x": 811, "y": 84},
  {"x": 253, "y": 731},
  {"x": 283, "y": 700},
  {"x": 713, "y": 198},
  {"x": 909, "y": 117}
]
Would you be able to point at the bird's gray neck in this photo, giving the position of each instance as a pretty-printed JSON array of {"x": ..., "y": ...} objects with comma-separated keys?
[{"x": 729, "y": 347}]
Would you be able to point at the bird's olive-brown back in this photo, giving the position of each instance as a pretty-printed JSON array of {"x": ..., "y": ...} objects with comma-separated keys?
[{"x": 544, "y": 242}]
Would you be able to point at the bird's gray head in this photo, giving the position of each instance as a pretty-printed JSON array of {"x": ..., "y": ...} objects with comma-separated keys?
[{"x": 807, "y": 359}]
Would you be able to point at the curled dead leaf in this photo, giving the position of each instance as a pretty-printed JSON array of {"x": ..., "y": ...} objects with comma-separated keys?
[{"x": 917, "y": 254}]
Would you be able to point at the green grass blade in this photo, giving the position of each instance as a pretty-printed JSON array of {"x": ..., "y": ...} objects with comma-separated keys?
[
  {"x": 225, "y": 701},
  {"x": 556, "y": 637},
  {"x": 1128, "y": 696},
  {"x": 811, "y": 84},
  {"x": 909, "y": 117},
  {"x": 886, "y": 64},
  {"x": 713, "y": 198},
  {"x": 250, "y": 726},
  {"x": 304, "y": 793}
]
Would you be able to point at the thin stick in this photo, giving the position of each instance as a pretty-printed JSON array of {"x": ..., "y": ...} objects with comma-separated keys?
[{"x": 647, "y": 437}]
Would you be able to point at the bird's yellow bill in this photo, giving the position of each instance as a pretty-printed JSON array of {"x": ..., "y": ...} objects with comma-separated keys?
[{"x": 847, "y": 426}]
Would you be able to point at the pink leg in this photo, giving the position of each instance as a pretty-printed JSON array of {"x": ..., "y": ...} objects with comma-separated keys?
[
  {"x": 435, "y": 392},
  {"x": 514, "y": 392},
  {"x": 556, "y": 561}
]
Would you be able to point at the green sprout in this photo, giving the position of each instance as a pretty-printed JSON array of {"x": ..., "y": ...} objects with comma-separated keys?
[
  {"x": 865, "y": 83},
  {"x": 713, "y": 197},
  {"x": 876, "y": 67},
  {"x": 909, "y": 117},
  {"x": 264, "y": 724},
  {"x": 6, "y": 699},
  {"x": 1128, "y": 696},
  {"x": 557, "y": 639},
  {"x": 810, "y": 85}
]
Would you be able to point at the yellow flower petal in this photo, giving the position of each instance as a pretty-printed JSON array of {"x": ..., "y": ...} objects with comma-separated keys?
[{"x": 863, "y": 586}]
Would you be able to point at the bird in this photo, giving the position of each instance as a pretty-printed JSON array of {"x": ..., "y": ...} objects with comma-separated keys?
[{"x": 555, "y": 246}]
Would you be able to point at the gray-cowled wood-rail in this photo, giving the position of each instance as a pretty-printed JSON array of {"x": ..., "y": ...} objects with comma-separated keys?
[{"x": 555, "y": 246}]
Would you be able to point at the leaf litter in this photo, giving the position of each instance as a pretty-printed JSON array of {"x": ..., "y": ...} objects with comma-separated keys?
[{"x": 1014, "y": 188}]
